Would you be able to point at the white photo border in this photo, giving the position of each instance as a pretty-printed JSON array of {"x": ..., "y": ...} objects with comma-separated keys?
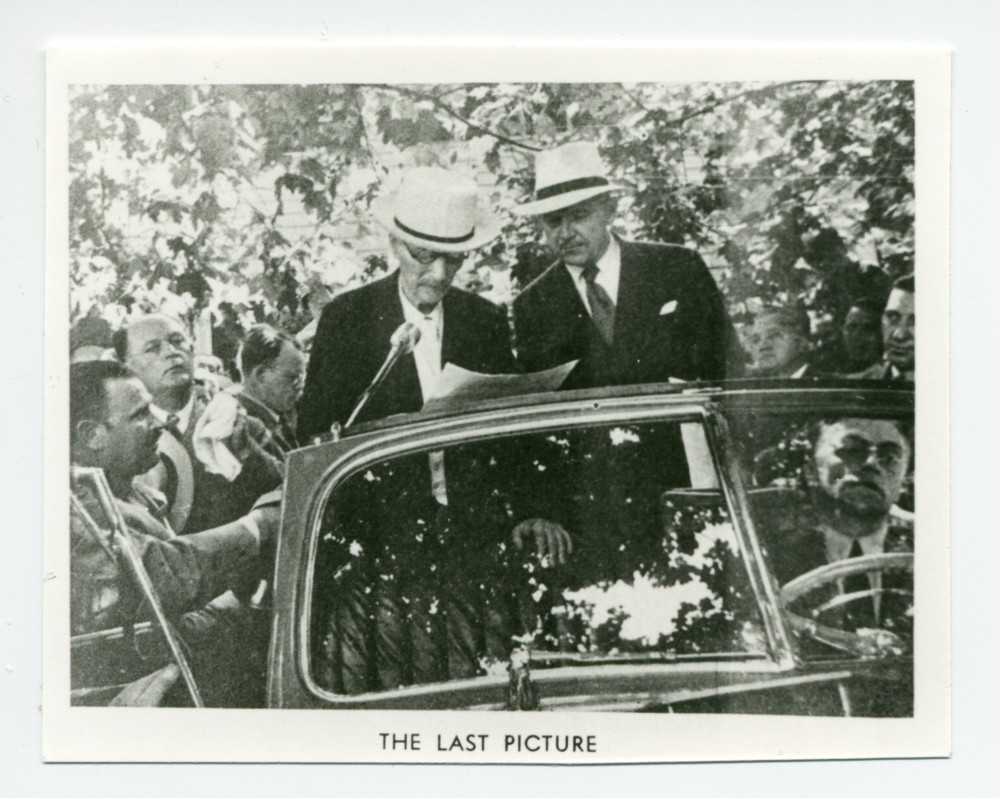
[{"x": 137, "y": 735}]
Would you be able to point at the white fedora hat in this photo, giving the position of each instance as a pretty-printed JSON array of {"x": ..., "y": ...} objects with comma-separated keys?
[
  {"x": 438, "y": 210},
  {"x": 565, "y": 176}
]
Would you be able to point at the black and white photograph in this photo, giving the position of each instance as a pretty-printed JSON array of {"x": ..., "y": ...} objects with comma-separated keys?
[{"x": 562, "y": 413}]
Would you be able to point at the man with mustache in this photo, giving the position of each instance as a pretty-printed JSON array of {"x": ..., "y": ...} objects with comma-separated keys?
[
  {"x": 898, "y": 335},
  {"x": 434, "y": 220},
  {"x": 858, "y": 469},
  {"x": 112, "y": 427},
  {"x": 629, "y": 312}
]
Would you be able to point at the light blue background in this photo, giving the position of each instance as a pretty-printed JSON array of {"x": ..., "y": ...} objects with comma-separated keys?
[{"x": 26, "y": 26}]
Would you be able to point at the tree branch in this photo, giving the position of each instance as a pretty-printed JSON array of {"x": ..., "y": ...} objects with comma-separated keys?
[
  {"x": 364, "y": 128},
  {"x": 632, "y": 97},
  {"x": 707, "y": 109},
  {"x": 441, "y": 106}
]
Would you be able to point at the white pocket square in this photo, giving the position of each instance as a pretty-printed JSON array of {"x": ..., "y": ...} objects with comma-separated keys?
[{"x": 669, "y": 308}]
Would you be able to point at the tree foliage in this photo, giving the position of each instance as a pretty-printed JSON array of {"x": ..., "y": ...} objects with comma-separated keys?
[{"x": 244, "y": 199}]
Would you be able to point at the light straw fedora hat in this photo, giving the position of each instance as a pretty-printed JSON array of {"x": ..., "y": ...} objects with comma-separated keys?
[
  {"x": 436, "y": 209},
  {"x": 565, "y": 176}
]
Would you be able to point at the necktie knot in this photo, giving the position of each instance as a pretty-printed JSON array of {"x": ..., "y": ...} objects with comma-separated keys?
[{"x": 590, "y": 273}]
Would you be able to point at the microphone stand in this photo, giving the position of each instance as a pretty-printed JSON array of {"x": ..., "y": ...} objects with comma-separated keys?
[{"x": 403, "y": 341}]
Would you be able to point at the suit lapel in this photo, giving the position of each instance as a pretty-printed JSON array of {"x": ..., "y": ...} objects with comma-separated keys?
[
  {"x": 401, "y": 390},
  {"x": 388, "y": 314},
  {"x": 456, "y": 324},
  {"x": 637, "y": 304},
  {"x": 563, "y": 298}
]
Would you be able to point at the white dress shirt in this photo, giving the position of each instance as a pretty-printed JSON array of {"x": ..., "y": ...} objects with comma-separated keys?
[
  {"x": 427, "y": 352},
  {"x": 427, "y": 355},
  {"x": 838, "y": 547},
  {"x": 609, "y": 269},
  {"x": 183, "y": 415}
]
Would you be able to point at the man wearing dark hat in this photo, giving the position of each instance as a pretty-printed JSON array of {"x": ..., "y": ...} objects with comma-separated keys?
[
  {"x": 90, "y": 339},
  {"x": 629, "y": 312},
  {"x": 434, "y": 220}
]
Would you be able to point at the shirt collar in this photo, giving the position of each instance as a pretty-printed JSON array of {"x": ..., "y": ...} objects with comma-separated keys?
[
  {"x": 609, "y": 267},
  {"x": 183, "y": 415},
  {"x": 414, "y": 316},
  {"x": 799, "y": 371},
  {"x": 838, "y": 546}
]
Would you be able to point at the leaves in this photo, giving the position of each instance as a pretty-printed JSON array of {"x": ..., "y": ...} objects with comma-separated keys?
[{"x": 237, "y": 180}]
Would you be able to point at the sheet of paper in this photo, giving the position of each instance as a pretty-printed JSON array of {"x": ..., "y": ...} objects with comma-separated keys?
[{"x": 458, "y": 386}]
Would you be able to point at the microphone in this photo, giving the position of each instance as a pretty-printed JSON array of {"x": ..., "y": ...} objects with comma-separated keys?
[
  {"x": 401, "y": 343},
  {"x": 406, "y": 337}
]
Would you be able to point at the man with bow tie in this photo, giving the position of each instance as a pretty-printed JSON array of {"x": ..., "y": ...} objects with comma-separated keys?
[
  {"x": 629, "y": 312},
  {"x": 419, "y": 516},
  {"x": 434, "y": 220}
]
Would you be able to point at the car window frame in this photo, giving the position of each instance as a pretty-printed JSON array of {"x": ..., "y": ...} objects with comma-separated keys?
[
  {"x": 874, "y": 402},
  {"x": 364, "y": 450}
]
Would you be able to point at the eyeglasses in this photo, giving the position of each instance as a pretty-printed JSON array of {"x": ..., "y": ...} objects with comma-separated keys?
[
  {"x": 856, "y": 453},
  {"x": 425, "y": 257}
]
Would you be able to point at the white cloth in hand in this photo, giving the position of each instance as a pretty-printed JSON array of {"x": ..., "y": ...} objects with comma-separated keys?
[{"x": 213, "y": 428}]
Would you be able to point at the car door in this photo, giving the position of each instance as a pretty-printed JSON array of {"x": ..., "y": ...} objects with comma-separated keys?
[
  {"x": 122, "y": 661},
  {"x": 400, "y": 582}
]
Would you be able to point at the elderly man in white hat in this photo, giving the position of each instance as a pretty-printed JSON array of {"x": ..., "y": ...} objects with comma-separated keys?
[
  {"x": 629, "y": 312},
  {"x": 434, "y": 221}
]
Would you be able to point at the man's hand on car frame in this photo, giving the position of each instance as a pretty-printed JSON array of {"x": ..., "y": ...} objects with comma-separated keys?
[{"x": 552, "y": 543}]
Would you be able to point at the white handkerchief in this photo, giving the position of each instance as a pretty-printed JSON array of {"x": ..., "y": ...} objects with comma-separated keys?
[
  {"x": 215, "y": 425},
  {"x": 669, "y": 308}
]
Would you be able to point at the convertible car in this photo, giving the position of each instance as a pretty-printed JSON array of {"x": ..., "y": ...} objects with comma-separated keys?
[
  {"x": 633, "y": 549},
  {"x": 423, "y": 562}
]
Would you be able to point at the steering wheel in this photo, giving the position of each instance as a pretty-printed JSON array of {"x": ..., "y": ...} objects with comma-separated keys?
[{"x": 864, "y": 642}]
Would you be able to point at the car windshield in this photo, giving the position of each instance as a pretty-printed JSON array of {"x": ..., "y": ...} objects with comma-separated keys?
[
  {"x": 428, "y": 567},
  {"x": 831, "y": 495}
]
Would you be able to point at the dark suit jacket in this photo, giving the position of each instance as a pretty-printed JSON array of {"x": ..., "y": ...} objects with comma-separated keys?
[
  {"x": 691, "y": 342},
  {"x": 352, "y": 342},
  {"x": 281, "y": 432},
  {"x": 214, "y": 500},
  {"x": 876, "y": 371},
  {"x": 801, "y": 550}
]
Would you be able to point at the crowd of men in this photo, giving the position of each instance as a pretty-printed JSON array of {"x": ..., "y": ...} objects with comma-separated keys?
[{"x": 192, "y": 472}]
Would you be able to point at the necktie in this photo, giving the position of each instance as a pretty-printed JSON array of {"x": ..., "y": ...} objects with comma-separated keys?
[
  {"x": 602, "y": 309},
  {"x": 861, "y": 612},
  {"x": 173, "y": 425}
]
